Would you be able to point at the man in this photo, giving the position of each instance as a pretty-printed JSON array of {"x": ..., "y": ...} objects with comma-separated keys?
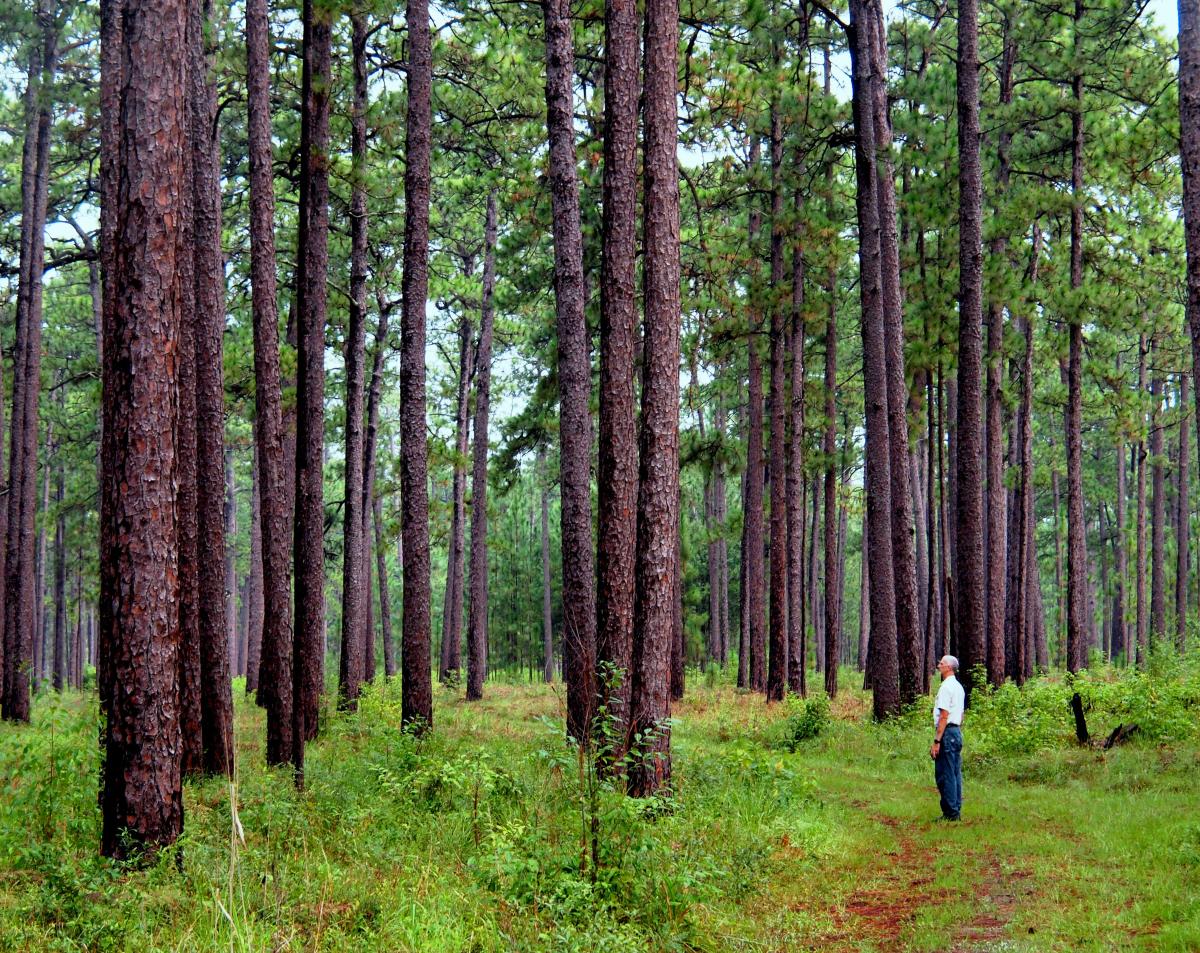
[{"x": 946, "y": 750}]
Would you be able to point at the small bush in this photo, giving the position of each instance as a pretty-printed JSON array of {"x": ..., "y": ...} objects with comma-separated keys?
[{"x": 808, "y": 718}]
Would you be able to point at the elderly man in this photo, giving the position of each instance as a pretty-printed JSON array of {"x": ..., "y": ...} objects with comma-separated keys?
[{"x": 946, "y": 750}]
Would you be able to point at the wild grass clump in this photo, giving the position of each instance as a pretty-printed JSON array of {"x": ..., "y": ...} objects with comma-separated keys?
[{"x": 807, "y": 718}]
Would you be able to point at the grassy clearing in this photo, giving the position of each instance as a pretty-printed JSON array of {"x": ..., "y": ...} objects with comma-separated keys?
[{"x": 792, "y": 828}]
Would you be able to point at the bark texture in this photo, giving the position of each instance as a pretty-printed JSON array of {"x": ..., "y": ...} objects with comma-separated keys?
[
  {"x": 415, "y": 666},
  {"x": 574, "y": 378},
  {"x": 216, "y": 693},
  {"x": 275, "y": 516},
  {"x": 883, "y": 668},
  {"x": 144, "y": 57},
  {"x": 617, "y": 481},
  {"x": 1189, "y": 158},
  {"x": 969, "y": 579},
  {"x": 658, "y": 483},
  {"x": 477, "y": 629},
  {"x": 356, "y": 590}
]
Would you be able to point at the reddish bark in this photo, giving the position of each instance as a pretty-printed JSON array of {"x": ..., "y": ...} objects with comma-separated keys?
[
  {"x": 908, "y": 632},
  {"x": 144, "y": 57},
  {"x": 1158, "y": 514},
  {"x": 417, "y": 687},
  {"x": 777, "y": 670},
  {"x": 477, "y": 629},
  {"x": 21, "y": 605},
  {"x": 753, "y": 512},
  {"x": 658, "y": 473},
  {"x": 1182, "y": 522},
  {"x": 1189, "y": 158},
  {"x": 618, "y": 457},
  {"x": 455, "y": 563},
  {"x": 882, "y": 670},
  {"x": 796, "y": 497},
  {"x": 356, "y": 592},
  {"x": 216, "y": 700},
  {"x": 312, "y": 260},
  {"x": 574, "y": 378},
  {"x": 274, "y": 678},
  {"x": 969, "y": 579},
  {"x": 254, "y": 587},
  {"x": 1078, "y": 621}
]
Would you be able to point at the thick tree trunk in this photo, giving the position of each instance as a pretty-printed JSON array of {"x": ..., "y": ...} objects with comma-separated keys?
[
  {"x": 144, "y": 57},
  {"x": 753, "y": 514},
  {"x": 658, "y": 474},
  {"x": 574, "y": 379},
  {"x": 274, "y": 677},
  {"x": 477, "y": 629},
  {"x": 312, "y": 261},
  {"x": 796, "y": 496},
  {"x": 908, "y": 634},
  {"x": 777, "y": 669},
  {"x": 969, "y": 568},
  {"x": 618, "y": 462},
  {"x": 216, "y": 700},
  {"x": 1189, "y": 156},
  {"x": 21, "y": 607},
  {"x": 884, "y": 671},
  {"x": 356, "y": 589},
  {"x": 1078, "y": 623}
]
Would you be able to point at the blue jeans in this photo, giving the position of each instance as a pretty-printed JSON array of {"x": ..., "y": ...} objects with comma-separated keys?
[{"x": 947, "y": 768}]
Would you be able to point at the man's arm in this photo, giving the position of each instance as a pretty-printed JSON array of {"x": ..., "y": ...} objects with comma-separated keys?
[{"x": 943, "y": 719}]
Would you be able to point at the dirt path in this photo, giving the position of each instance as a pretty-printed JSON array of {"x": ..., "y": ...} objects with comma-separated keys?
[{"x": 885, "y": 911}]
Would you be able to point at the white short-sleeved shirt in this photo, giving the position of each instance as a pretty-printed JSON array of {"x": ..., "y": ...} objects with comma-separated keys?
[{"x": 951, "y": 698}]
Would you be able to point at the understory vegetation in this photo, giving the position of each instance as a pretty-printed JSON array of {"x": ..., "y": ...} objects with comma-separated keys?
[{"x": 794, "y": 826}]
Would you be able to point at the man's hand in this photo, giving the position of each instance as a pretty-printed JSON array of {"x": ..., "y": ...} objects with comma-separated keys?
[{"x": 933, "y": 749}]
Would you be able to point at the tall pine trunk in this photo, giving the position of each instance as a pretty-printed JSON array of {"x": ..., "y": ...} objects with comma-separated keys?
[
  {"x": 274, "y": 676},
  {"x": 356, "y": 589},
  {"x": 417, "y": 687},
  {"x": 1182, "y": 521},
  {"x": 144, "y": 122},
  {"x": 1158, "y": 512},
  {"x": 547, "y": 612},
  {"x": 1078, "y": 623},
  {"x": 1189, "y": 155},
  {"x": 908, "y": 632},
  {"x": 969, "y": 579},
  {"x": 21, "y": 607},
  {"x": 883, "y": 668},
  {"x": 777, "y": 669},
  {"x": 574, "y": 378},
  {"x": 618, "y": 460},
  {"x": 477, "y": 629},
  {"x": 312, "y": 261},
  {"x": 658, "y": 474}
]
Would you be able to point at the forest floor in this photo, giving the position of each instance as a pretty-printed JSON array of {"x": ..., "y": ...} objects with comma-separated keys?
[{"x": 491, "y": 836}]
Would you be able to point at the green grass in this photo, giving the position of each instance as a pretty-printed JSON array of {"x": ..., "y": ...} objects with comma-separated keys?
[{"x": 792, "y": 828}]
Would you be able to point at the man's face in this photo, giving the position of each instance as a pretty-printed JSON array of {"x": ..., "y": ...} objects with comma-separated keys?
[{"x": 944, "y": 668}]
